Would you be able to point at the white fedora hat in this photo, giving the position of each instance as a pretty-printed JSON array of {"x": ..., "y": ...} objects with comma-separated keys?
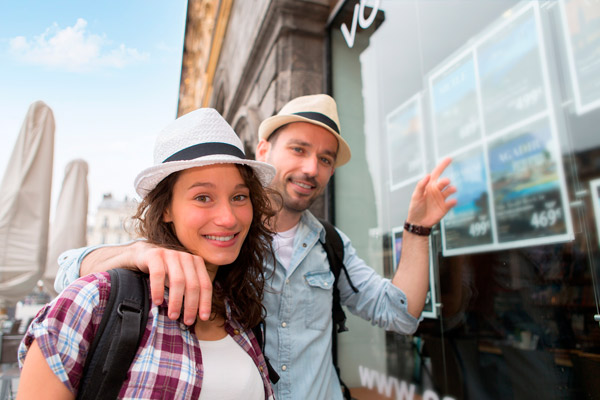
[
  {"x": 317, "y": 109},
  {"x": 199, "y": 138}
]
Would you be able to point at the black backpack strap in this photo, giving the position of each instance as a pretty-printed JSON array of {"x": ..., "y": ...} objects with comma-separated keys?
[
  {"x": 119, "y": 334},
  {"x": 260, "y": 332},
  {"x": 334, "y": 247}
]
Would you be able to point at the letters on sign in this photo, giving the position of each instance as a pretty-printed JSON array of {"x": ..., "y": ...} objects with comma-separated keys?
[{"x": 358, "y": 17}]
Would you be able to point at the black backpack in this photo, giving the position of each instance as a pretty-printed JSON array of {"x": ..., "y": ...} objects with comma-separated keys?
[{"x": 119, "y": 335}]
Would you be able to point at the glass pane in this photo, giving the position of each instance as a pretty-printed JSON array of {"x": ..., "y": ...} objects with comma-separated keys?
[{"x": 511, "y": 92}]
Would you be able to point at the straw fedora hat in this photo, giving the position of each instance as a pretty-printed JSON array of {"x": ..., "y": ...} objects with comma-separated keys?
[
  {"x": 318, "y": 109},
  {"x": 199, "y": 138}
]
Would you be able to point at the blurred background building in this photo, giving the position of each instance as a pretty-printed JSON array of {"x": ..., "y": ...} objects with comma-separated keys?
[
  {"x": 511, "y": 91},
  {"x": 112, "y": 221}
]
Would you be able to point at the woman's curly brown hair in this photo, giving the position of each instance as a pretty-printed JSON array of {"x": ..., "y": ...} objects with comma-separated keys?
[{"x": 241, "y": 281}]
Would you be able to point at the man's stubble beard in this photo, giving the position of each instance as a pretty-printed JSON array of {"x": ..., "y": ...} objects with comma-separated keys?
[{"x": 291, "y": 205}]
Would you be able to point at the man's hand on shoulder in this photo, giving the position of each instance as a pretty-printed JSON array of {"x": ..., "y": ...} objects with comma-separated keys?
[{"x": 184, "y": 273}]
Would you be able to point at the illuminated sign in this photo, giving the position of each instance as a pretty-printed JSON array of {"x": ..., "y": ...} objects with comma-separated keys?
[{"x": 492, "y": 112}]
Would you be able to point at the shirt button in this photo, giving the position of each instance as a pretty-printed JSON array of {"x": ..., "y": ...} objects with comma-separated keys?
[
  {"x": 283, "y": 324},
  {"x": 402, "y": 301},
  {"x": 287, "y": 281},
  {"x": 304, "y": 245},
  {"x": 261, "y": 368},
  {"x": 325, "y": 283},
  {"x": 236, "y": 331},
  {"x": 283, "y": 367}
]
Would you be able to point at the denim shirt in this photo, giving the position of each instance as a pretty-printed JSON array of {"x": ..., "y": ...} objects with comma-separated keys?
[{"x": 298, "y": 302}]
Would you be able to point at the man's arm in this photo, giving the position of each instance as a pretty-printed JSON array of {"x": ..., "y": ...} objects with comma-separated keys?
[
  {"x": 429, "y": 203},
  {"x": 185, "y": 274}
]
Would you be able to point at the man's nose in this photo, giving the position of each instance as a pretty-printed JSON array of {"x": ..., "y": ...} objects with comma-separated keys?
[{"x": 310, "y": 165}]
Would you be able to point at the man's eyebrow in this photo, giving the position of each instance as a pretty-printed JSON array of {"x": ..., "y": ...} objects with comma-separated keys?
[{"x": 299, "y": 142}]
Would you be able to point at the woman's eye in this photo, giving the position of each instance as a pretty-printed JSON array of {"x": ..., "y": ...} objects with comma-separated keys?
[
  {"x": 202, "y": 198},
  {"x": 240, "y": 197}
]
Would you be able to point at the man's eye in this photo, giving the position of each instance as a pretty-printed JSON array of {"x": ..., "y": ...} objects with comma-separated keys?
[
  {"x": 297, "y": 149},
  {"x": 326, "y": 161}
]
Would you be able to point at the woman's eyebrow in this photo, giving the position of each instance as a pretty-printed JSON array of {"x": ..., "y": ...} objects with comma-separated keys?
[
  {"x": 212, "y": 185},
  {"x": 201, "y": 184}
]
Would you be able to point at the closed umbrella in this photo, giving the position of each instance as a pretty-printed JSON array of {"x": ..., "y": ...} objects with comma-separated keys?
[
  {"x": 25, "y": 205},
  {"x": 69, "y": 227}
]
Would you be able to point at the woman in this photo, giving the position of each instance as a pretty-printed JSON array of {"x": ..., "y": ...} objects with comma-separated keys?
[{"x": 202, "y": 196}]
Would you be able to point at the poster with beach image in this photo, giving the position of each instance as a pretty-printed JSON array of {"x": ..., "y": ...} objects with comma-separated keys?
[
  {"x": 511, "y": 71},
  {"x": 429, "y": 310},
  {"x": 468, "y": 224},
  {"x": 405, "y": 143},
  {"x": 595, "y": 194},
  {"x": 527, "y": 190},
  {"x": 455, "y": 108},
  {"x": 581, "y": 27}
]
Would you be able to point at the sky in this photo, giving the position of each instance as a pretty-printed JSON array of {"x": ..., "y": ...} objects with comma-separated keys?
[{"x": 110, "y": 72}]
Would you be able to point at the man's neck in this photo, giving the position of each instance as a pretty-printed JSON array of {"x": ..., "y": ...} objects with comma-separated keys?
[{"x": 286, "y": 220}]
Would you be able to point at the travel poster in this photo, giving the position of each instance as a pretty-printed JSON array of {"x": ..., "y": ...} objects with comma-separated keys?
[
  {"x": 405, "y": 143},
  {"x": 595, "y": 195},
  {"x": 455, "y": 107},
  {"x": 581, "y": 26},
  {"x": 527, "y": 189},
  {"x": 429, "y": 310},
  {"x": 511, "y": 72},
  {"x": 468, "y": 224}
]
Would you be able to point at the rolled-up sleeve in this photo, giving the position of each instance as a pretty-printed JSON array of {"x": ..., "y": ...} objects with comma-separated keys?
[
  {"x": 377, "y": 300},
  {"x": 69, "y": 263}
]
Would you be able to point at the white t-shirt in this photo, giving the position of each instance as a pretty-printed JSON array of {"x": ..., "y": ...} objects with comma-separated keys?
[
  {"x": 229, "y": 372},
  {"x": 283, "y": 244}
]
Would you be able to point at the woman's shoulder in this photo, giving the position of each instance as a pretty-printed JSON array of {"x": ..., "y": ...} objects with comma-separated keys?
[{"x": 87, "y": 292}]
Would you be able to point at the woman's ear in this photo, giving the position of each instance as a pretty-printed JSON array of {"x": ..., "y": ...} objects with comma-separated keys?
[{"x": 167, "y": 215}]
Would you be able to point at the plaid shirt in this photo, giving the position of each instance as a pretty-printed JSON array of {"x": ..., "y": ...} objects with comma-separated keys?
[{"x": 168, "y": 363}]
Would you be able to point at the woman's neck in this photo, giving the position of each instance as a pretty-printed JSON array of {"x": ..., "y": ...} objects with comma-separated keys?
[{"x": 214, "y": 328}]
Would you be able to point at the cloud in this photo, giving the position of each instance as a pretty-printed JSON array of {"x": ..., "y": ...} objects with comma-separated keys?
[{"x": 74, "y": 49}]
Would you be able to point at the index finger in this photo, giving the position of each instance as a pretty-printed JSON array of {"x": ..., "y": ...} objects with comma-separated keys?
[{"x": 439, "y": 169}]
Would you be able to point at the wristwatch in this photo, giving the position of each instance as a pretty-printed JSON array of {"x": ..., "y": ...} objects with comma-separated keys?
[{"x": 417, "y": 229}]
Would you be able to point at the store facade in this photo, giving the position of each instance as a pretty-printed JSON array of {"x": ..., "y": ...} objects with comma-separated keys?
[{"x": 510, "y": 90}]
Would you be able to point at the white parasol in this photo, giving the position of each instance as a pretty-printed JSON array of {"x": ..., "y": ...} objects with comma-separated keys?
[
  {"x": 69, "y": 226},
  {"x": 25, "y": 205}
]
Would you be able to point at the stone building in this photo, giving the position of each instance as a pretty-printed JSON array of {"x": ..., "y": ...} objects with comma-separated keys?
[
  {"x": 112, "y": 221},
  {"x": 248, "y": 58}
]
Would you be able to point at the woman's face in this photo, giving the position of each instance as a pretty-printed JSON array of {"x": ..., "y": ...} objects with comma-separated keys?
[{"x": 211, "y": 212}]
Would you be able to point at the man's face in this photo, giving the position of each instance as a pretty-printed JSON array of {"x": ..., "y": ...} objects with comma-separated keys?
[{"x": 304, "y": 155}]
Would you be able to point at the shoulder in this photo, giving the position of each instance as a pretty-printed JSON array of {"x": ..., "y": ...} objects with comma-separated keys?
[{"x": 87, "y": 292}]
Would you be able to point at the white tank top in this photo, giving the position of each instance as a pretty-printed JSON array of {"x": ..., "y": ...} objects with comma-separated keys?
[{"x": 229, "y": 372}]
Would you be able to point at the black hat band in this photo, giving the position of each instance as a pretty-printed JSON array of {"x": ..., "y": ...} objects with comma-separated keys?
[
  {"x": 322, "y": 118},
  {"x": 206, "y": 149}
]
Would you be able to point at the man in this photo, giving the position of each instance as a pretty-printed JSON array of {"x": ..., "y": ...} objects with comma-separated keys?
[{"x": 303, "y": 142}]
